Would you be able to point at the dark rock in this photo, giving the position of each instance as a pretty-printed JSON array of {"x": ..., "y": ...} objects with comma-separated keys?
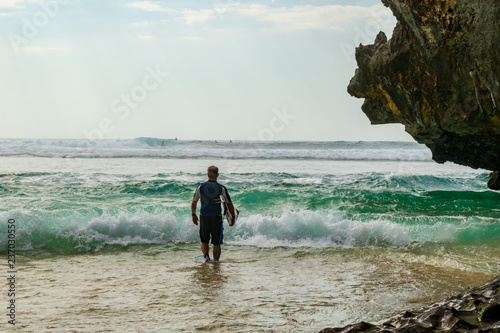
[
  {"x": 405, "y": 322},
  {"x": 432, "y": 318},
  {"x": 381, "y": 38},
  {"x": 408, "y": 314},
  {"x": 439, "y": 75},
  {"x": 415, "y": 329},
  {"x": 449, "y": 321},
  {"x": 356, "y": 328},
  {"x": 330, "y": 330},
  {"x": 494, "y": 182},
  {"x": 491, "y": 314},
  {"x": 468, "y": 317},
  {"x": 360, "y": 327},
  {"x": 476, "y": 311},
  {"x": 471, "y": 304}
]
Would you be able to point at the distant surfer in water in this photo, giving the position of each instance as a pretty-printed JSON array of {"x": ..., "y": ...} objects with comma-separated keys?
[{"x": 211, "y": 194}]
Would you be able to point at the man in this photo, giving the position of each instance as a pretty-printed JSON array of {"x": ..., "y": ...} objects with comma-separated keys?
[{"x": 210, "y": 193}]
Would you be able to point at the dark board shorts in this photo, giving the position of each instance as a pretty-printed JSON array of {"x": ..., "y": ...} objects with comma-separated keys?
[{"x": 211, "y": 226}]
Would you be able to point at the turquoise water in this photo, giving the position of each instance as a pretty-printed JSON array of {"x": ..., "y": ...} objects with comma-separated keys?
[{"x": 326, "y": 231}]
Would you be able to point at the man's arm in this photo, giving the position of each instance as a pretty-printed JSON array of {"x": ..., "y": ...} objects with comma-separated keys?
[
  {"x": 193, "y": 211},
  {"x": 196, "y": 197}
]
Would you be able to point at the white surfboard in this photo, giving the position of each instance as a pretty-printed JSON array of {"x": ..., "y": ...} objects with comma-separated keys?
[{"x": 229, "y": 215}]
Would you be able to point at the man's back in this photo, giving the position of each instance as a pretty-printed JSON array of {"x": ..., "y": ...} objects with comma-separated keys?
[{"x": 209, "y": 192}]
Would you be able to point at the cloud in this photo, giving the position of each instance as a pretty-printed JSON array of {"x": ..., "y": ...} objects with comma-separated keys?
[
  {"x": 187, "y": 16},
  {"x": 147, "y": 6},
  {"x": 146, "y": 37},
  {"x": 197, "y": 16},
  {"x": 143, "y": 24},
  {"x": 306, "y": 17},
  {"x": 189, "y": 39},
  {"x": 10, "y": 3},
  {"x": 38, "y": 50},
  {"x": 329, "y": 17},
  {"x": 14, "y": 3}
]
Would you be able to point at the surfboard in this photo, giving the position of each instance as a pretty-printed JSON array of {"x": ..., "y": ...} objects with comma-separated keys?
[{"x": 228, "y": 214}]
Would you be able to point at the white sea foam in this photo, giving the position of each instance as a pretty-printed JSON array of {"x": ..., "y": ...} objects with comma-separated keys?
[
  {"x": 138, "y": 228},
  {"x": 312, "y": 229},
  {"x": 152, "y": 148},
  {"x": 289, "y": 228}
]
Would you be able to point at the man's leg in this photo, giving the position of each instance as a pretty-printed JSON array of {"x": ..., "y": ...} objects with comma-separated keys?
[
  {"x": 204, "y": 248},
  {"x": 217, "y": 237},
  {"x": 204, "y": 237},
  {"x": 217, "y": 251}
]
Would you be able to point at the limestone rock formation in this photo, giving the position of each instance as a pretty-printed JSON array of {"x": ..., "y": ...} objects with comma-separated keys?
[
  {"x": 475, "y": 311},
  {"x": 439, "y": 76}
]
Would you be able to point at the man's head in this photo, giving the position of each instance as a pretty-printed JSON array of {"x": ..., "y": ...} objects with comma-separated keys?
[{"x": 213, "y": 172}]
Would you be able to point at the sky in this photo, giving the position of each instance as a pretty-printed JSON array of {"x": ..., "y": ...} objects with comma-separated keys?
[{"x": 205, "y": 69}]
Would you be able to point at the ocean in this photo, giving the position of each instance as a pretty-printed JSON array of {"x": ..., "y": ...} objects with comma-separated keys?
[{"x": 329, "y": 234}]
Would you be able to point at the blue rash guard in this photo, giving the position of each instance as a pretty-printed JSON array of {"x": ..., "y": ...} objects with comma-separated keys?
[{"x": 209, "y": 192}]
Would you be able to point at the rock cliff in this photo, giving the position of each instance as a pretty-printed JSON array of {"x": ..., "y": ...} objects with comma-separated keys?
[{"x": 439, "y": 76}]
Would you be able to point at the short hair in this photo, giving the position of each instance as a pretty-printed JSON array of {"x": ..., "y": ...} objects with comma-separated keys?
[{"x": 213, "y": 171}]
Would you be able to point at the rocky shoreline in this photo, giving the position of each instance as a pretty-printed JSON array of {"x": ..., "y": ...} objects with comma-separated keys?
[{"x": 475, "y": 311}]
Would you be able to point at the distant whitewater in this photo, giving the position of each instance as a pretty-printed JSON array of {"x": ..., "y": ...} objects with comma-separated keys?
[{"x": 159, "y": 148}]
